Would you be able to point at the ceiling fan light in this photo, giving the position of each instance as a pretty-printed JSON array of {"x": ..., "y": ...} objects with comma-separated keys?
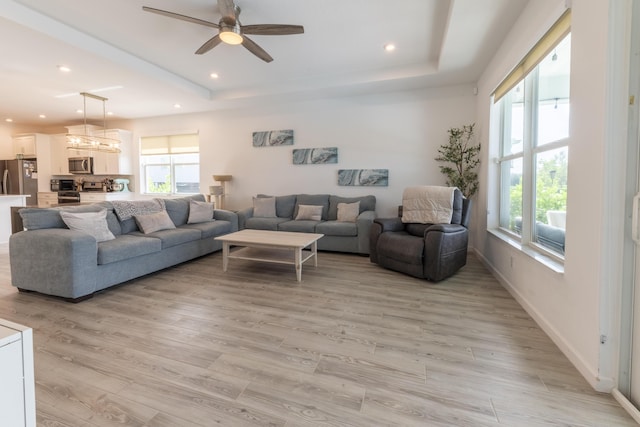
[{"x": 230, "y": 34}]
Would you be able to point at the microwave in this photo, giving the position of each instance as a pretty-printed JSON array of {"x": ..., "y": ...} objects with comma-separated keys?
[{"x": 81, "y": 165}]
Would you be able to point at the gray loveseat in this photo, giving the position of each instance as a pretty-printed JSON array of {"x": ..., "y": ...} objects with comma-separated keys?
[
  {"x": 339, "y": 236},
  {"x": 52, "y": 259}
]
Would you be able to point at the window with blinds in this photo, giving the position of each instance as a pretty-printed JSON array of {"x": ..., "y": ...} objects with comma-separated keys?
[
  {"x": 533, "y": 102},
  {"x": 170, "y": 164}
]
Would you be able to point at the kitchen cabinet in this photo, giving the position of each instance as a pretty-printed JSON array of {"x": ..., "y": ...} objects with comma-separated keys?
[
  {"x": 47, "y": 199},
  {"x": 59, "y": 155},
  {"x": 17, "y": 394},
  {"x": 105, "y": 163},
  {"x": 30, "y": 145}
]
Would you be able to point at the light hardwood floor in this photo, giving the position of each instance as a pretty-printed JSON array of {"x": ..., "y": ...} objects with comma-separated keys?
[{"x": 352, "y": 345}]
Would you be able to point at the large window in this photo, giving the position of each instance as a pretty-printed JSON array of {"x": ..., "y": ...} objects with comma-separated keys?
[
  {"x": 170, "y": 164},
  {"x": 534, "y": 155}
]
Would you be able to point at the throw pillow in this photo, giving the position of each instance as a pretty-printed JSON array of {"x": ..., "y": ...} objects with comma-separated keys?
[
  {"x": 348, "y": 212},
  {"x": 264, "y": 207},
  {"x": 156, "y": 221},
  {"x": 200, "y": 212},
  {"x": 93, "y": 223},
  {"x": 309, "y": 212}
]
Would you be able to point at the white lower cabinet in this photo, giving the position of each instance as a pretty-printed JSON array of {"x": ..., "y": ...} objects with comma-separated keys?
[{"x": 17, "y": 385}]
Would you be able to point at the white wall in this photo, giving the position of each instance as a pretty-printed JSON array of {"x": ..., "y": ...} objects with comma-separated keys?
[
  {"x": 399, "y": 131},
  {"x": 565, "y": 305}
]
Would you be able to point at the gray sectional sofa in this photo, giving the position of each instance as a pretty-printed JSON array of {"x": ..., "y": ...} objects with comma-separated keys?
[
  {"x": 52, "y": 259},
  {"x": 339, "y": 236}
]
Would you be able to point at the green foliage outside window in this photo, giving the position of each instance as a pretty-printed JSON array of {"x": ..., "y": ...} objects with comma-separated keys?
[
  {"x": 551, "y": 189},
  {"x": 159, "y": 187}
]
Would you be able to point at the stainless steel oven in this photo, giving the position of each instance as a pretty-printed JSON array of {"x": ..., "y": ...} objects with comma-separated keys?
[
  {"x": 65, "y": 197},
  {"x": 63, "y": 185}
]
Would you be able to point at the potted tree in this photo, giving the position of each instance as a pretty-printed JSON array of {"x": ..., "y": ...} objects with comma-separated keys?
[{"x": 461, "y": 155}]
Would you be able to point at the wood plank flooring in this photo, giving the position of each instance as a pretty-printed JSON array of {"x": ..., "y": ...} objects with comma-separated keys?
[{"x": 352, "y": 345}]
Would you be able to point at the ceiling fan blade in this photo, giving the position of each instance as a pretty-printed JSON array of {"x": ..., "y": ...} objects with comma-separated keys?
[
  {"x": 209, "y": 44},
  {"x": 255, "y": 49},
  {"x": 272, "y": 29},
  {"x": 181, "y": 17},
  {"x": 228, "y": 11}
]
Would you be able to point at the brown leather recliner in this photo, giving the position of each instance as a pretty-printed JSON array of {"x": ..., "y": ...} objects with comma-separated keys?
[{"x": 427, "y": 251}]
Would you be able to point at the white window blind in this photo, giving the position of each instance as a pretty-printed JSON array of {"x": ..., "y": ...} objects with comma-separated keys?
[
  {"x": 169, "y": 144},
  {"x": 545, "y": 45}
]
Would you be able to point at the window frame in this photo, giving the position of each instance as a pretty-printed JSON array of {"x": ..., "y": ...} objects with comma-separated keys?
[{"x": 529, "y": 154}]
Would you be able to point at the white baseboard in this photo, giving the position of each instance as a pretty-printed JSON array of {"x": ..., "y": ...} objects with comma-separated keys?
[
  {"x": 605, "y": 385},
  {"x": 626, "y": 404}
]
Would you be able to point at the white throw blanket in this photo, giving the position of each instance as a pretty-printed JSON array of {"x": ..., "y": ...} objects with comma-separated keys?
[{"x": 427, "y": 204}]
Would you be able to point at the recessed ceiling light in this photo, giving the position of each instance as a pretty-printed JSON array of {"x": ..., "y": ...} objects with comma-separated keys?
[
  {"x": 8, "y": 120},
  {"x": 109, "y": 113},
  {"x": 214, "y": 75},
  {"x": 177, "y": 106},
  {"x": 389, "y": 47},
  {"x": 42, "y": 116},
  {"x": 64, "y": 68},
  {"x": 79, "y": 111}
]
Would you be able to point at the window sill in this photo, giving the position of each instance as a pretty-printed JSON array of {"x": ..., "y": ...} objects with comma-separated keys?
[{"x": 547, "y": 261}]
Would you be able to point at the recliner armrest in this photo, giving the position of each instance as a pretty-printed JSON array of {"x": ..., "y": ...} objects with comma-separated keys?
[
  {"x": 225, "y": 215},
  {"x": 390, "y": 224},
  {"x": 445, "y": 228}
]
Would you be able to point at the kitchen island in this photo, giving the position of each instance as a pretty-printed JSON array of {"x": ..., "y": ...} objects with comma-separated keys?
[{"x": 6, "y": 202}]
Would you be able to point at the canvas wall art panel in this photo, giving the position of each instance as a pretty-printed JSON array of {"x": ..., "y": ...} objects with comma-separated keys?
[
  {"x": 273, "y": 138},
  {"x": 363, "y": 177},
  {"x": 314, "y": 156}
]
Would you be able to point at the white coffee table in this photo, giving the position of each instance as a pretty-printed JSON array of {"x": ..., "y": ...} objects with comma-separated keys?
[{"x": 279, "y": 247}]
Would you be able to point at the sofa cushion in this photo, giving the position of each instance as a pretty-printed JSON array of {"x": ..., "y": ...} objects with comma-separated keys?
[
  {"x": 211, "y": 228},
  {"x": 313, "y": 199},
  {"x": 152, "y": 222},
  {"x": 401, "y": 246},
  {"x": 174, "y": 236},
  {"x": 264, "y": 207},
  {"x": 264, "y": 223},
  {"x": 309, "y": 212},
  {"x": 92, "y": 223},
  {"x": 178, "y": 208},
  {"x": 200, "y": 212},
  {"x": 285, "y": 205},
  {"x": 300, "y": 226},
  {"x": 127, "y": 246},
  {"x": 348, "y": 212},
  {"x": 335, "y": 228},
  {"x": 367, "y": 203}
]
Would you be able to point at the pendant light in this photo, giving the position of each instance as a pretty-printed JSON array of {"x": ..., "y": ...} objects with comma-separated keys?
[{"x": 93, "y": 141}]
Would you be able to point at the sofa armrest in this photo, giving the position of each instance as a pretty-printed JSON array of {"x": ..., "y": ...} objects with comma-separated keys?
[
  {"x": 243, "y": 216},
  {"x": 225, "y": 215},
  {"x": 363, "y": 223},
  {"x": 55, "y": 261}
]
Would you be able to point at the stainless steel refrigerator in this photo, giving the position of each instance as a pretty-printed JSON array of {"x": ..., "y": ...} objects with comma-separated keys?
[{"x": 20, "y": 177}]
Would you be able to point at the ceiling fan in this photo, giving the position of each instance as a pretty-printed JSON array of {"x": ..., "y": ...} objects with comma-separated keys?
[{"x": 231, "y": 31}]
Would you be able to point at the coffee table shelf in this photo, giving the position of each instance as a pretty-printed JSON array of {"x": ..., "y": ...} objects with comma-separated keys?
[{"x": 271, "y": 246}]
